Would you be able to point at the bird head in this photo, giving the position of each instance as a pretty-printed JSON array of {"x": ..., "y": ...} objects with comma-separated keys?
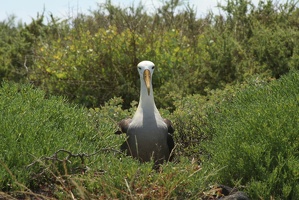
[{"x": 146, "y": 70}]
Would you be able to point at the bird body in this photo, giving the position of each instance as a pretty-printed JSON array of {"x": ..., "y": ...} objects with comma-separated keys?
[{"x": 149, "y": 135}]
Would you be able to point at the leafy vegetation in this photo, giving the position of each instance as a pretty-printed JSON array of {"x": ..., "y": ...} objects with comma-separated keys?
[
  {"x": 52, "y": 148},
  {"x": 249, "y": 131},
  {"x": 255, "y": 139},
  {"x": 66, "y": 83},
  {"x": 243, "y": 136},
  {"x": 32, "y": 127},
  {"x": 92, "y": 58}
]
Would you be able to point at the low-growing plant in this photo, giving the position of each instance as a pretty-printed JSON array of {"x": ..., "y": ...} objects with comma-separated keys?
[
  {"x": 34, "y": 126},
  {"x": 191, "y": 119},
  {"x": 255, "y": 139},
  {"x": 52, "y": 149}
]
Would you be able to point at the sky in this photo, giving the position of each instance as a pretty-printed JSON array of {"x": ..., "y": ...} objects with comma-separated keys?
[{"x": 25, "y": 10}]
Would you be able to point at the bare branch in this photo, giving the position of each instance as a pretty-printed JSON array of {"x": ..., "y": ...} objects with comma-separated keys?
[{"x": 70, "y": 155}]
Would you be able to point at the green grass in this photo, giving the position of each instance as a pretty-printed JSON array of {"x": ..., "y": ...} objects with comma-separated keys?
[{"x": 245, "y": 136}]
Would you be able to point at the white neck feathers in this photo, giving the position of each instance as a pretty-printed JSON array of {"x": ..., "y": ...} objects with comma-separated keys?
[{"x": 147, "y": 106}]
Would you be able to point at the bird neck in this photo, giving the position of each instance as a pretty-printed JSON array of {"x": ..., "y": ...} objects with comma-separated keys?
[{"x": 146, "y": 101}]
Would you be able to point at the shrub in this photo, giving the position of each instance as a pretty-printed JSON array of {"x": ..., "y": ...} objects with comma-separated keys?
[
  {"x": 92, "y": 58},
  {"x": 255, "y": 139},
  {"x": 191, "y": 120},
  {"x": 53, "y": 149},
  {"x": 13, "y": 50},
  {"x": 33, "y": 126},
  {"x": 275, "y": 51}
]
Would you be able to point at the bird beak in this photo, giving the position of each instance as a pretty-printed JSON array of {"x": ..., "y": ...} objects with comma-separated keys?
[{"x": 147, "y": 80}]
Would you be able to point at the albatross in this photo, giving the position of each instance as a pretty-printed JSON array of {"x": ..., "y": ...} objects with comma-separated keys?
[{"x": 149, "y": 136}]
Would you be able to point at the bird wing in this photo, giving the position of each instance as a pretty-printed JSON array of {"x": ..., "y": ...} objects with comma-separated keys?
[
  {"x": 170, "y": 141},
  {"x": 123, "y": 126},
  {"x": 169, "y": 126}
]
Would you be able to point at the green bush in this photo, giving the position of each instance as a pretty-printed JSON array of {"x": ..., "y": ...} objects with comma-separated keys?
[
  {"x": 191, "y": 120},
  {"x": 51, "y": 148},
  {"x": 33, "y": 126},
  {"x": 201, "y": 68},
  {"x": 255, "y": 139},
  {"x": 249, "y": 132},
  {"x": 92, "y": 58},
  {"x": 13, "y": 50},
  {"x": 275, "y": 51}
]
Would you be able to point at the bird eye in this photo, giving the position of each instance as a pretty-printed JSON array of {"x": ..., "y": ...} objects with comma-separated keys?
[
  {"x": 153, "y": 67},
  {"x": 139, "y": 68}
]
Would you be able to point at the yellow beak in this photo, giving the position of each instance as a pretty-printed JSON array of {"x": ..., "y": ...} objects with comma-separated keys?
[{"x": 147, "y": 80}]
